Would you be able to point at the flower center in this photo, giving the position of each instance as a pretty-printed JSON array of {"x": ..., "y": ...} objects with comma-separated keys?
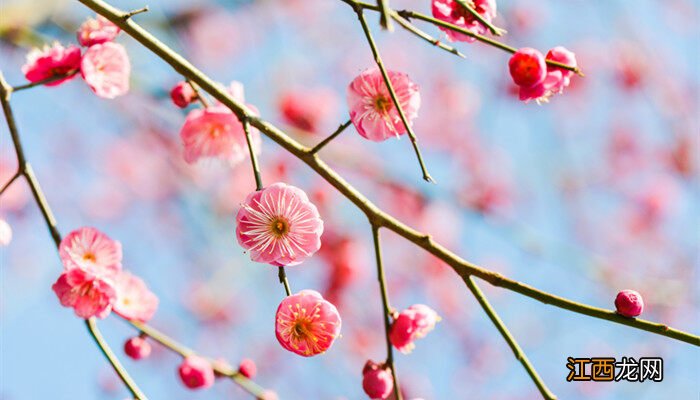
[
  {"x": 89, "y": 257},
  {"x": 279, "y": 227},
  {"x": 382, "y": 104}
]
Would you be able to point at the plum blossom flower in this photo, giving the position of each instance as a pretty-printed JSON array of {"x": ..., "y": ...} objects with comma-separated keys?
[
  {"x": 215, "y": 132},
  {"x": 306, "y": 324},
  {"x": 196, "y": 372},
  {"x": 97, "y": 31},
  {"x": 106, "y": 69},
  {"x": 52, "y": 61},
  {"x": 88, "y": 293},
  {"x": 247, "y": 368},
  {"x": 134, "y": 301},
  {"x": 412, "y": 323},
  {"x": 454, "y": 13},
  {"x": 555, "y": 80},
  {"x": 527, "y": 67},
  {"x": 183, "y": 94},
  {"x": 137, "y": 348},
  {"x": 376, "y": 380},
  {"x": 90, "y": 250},
  {"x": 279, "y": 225},
  {"x": 371, "y": 109}
]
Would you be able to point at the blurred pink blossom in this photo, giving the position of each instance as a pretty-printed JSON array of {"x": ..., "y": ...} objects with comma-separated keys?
[
  {"x": 454, "y": 13},
  {"x": 91, "y": 250},
  {"x": 97, "y": 31},
  {"x": 134, "y": 300},
  {"x": 412, "y": 323},
  {"x": 106, "y": 69},
  {"x": 196, "y": 372}
]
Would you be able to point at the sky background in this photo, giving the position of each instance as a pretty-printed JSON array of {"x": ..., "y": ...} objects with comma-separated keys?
[{"x": 589, "y": 200}]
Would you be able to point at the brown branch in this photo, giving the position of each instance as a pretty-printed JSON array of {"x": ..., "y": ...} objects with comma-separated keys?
[{"x": 376, "y": 216}]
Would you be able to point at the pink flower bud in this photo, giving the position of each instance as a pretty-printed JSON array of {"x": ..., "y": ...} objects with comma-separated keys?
[
  {"x": 137, "y": 348},
  {"x": 410, "y": 324},
  {"x": 376, "y": 380},
  {"x": 527, "y": 67},
  {"x": 183, "y": 94},
  {"x": 196, "y": 372},
  {"x": 629, "y": 303},
  {"x": 247, "y": 368}
]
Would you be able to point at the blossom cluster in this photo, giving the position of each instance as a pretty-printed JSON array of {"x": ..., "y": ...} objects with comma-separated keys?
[{"x": 104, "y": 65}]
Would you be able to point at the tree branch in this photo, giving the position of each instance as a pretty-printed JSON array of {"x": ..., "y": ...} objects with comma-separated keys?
[
  {"x": 377, "y": 217},
  {"x": 333, "y": 135},
  {"x": 386, "y": 309}
]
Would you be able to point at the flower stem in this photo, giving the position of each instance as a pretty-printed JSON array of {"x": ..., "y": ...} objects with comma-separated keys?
[
  {"x": 282, "y": 275},
  {"x": 253, "y": 156},
  {"x": 202, "y": 99},
  {"x": 327, "y": 140},
  {"x": 392, "y": 93},
  {"x": 494, "y": 30},
  {"x": 26, "y": 170},
  {"x": 171, "y": 344},
  {"x": 517, "y": 351},
  {"x": 9, "y": 183},
  {"x": 386, "y": 309}
]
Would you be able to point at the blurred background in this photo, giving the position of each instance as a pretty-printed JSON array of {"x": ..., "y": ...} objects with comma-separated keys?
[{"x": 595, "y": 192}]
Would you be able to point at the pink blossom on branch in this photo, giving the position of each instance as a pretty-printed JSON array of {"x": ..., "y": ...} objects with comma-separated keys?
[
  {"x": 629, "y": 303},
  {"x": 52, "y": 61},
  {"x": 134, "y": 300},
  {"x": 196, "y": 372},
  {"x": 88, "y": 293},
  {"x": 137, "y": 348},
  {"x": 454, "y": 13},
  {"x": 97, "y": 31},
  {"x": 371, "y": 109},
  {"x": 412, "y": 323},
  {"x": 183, "y": 94},
  {"x": 377, "y": 381},
  {"x": 279, "y": 225},
  {"x": 306, "y": 324},
  {"x": 90, "y": 250},
  {"x": 106, "y": 69},
  {"x": 525, "y": 66},
  {"x": 215, "y": 132}
]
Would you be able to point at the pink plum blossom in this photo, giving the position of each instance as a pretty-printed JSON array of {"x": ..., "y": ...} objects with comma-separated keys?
[
  {"x": 196, "y": 372},
  {"x": 137, "y": 348},
  {"x": 377, "y": 381},
  {"x": 90, "y": 250},
  {"x": 89, "y": 294},
  {"x": 52, "y": 61},
  {"x": 371, "y": 109},
  {"x": 97, "y": 31},
  {"x": 555, "y": 80},
  {"x": 629, "y": 303},
  {"x": 183, "y": 94},
  {"x": 215, "y": 132},
  {"x": 527, "y": 67},
  {"x": 134, "y": 300},
  {"x": 454, "y": 13},
  {"x": 106, "y": 69},
  {"x": 306, "y": 324},
  {"x": 412, "y": 323},
  {"x": 279, "y": 225}
]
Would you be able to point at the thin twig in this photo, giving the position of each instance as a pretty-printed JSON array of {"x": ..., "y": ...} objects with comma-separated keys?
[
  {"x": 26, "y": 170},
  {"x": 195, "y": 88},
  {"x": 406, "y": 24},
  {"x": 392, "y": 93},
  {"x": 134, "y": 12},
  {"x": 220, "y": 368},
  {"x": 9, "y": 183},
  {"x": 332, "y": 136},
  {"x": 374, "y": 213},
  {"x": 386, "y": 308},
  {"x": 50, "y": 79},
  {"x": 517, "y": 351},
  {"x": 494, "y": 30},
  {"x": 253, "y": 156},
  {"x": 282, "y": 275},
  {"x": 384, "y": 12}
]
